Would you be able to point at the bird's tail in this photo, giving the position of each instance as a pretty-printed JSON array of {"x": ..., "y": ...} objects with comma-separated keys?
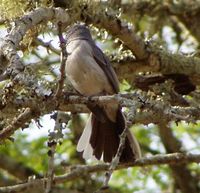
[{"x": 100, "y": 139}]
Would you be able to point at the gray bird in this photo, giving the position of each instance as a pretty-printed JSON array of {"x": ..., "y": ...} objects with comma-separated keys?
[{"x": 91, "y": 73}]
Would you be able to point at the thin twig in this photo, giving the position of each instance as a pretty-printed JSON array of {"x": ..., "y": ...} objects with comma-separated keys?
[
  {"x": 115, "y": 161},
  {"x": 47, "y": 45},
  {"x": 50, "y": 172},
  {"x": 55, "y": 137},
  {"x": 63, "y": 61}
]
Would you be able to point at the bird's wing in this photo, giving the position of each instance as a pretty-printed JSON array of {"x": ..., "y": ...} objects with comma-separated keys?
[{"x": 105, "y": 65}]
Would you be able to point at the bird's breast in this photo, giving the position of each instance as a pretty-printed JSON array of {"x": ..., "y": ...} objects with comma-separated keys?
[{"x": 83, "y": 72}]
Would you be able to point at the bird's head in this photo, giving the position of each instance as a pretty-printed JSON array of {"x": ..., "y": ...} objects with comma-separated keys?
[{"x": 78, "y": 32}]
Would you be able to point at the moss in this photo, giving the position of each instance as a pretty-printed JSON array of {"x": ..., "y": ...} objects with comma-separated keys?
[{"x": 10, "y": 9}]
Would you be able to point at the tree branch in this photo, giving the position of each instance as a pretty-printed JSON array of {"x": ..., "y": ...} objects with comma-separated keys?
[
  {"x": 153, "y": 58},
  {"x": 157, "y": 59},
  {"x": 47, "y": 45},
  {"x": 25, "y": 116},
  {"x": 64, "y": 56},
  {"x": 80, "y": 171},
  {"x": 11, "y": 42},
  {"x": 160, "y": 110},
  {"x": 186, "y": 11}
]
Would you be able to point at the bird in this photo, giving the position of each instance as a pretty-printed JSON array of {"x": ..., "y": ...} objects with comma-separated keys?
[{"x": 91, "y": 74}]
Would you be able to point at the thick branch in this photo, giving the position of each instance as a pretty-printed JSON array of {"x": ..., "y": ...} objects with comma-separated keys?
[
  {"x": 80, "y": 171},
  {"x": 160, "y": 110},
  {"x": 116, "y": 27},
  {"x": 11, "y": 42},
  {"x": 155, "y": 58}
]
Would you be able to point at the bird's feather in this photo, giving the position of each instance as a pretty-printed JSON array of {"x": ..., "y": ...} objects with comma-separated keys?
[{"x": 105, "y": 65}]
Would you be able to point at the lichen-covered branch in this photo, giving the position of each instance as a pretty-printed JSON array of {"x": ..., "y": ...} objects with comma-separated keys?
[
  {"x": 160, "y": 110},
  {"x": 64, "y": 55},
  {"x": 10, "y": 43},
  {"x": 151, "y": 57},
  {"x": 80, "y": 171}
]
